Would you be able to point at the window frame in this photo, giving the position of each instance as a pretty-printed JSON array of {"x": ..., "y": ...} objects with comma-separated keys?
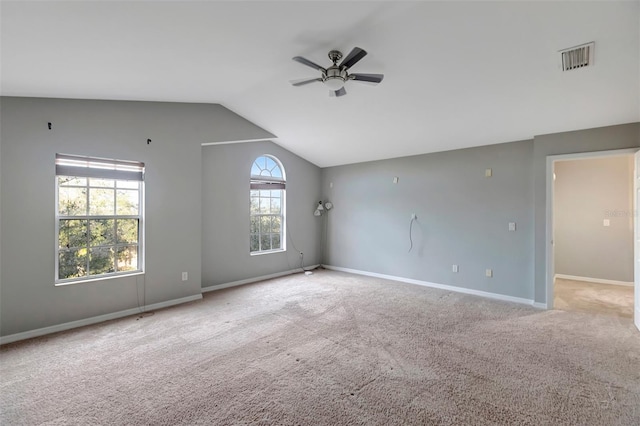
[
  {"x": 268, "y": 183},
  {"x": 102, "y": 172}
]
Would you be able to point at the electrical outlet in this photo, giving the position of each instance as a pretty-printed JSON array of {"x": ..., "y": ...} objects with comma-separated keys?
[
  {"x": 301, "y": 254},
  {"x": 395, "y": 179},
  {"x": 185, "y": 276},
  {"x": 488, "y": 173},
  {"x": 454, "y": 268},
  {"x": 489, "y": 273},
  {"x": 413, "y": 216},
  {"x": 512, "y": 226}
]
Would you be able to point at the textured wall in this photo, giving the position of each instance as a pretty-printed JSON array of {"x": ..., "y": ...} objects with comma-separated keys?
[
  {"x": 463, "y": 217},
  {"x": 225, "y": 212},
  {"x": 110, "y": 129},
  {"x": 590, "y": 140},
  {"x": 586, "y": 192}
]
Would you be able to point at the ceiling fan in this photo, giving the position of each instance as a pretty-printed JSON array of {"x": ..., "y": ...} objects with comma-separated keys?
[{"x": 336, "y": 75}]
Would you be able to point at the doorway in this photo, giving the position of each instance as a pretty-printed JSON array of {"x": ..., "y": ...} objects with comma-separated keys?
[{"x": 591, "y": 267}]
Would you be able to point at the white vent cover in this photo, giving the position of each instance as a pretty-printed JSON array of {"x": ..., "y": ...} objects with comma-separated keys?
[{"x": 577, "y": 57}]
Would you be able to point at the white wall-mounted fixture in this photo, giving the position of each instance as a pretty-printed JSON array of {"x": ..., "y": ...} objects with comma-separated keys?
[{"x": 322, "y": 208}]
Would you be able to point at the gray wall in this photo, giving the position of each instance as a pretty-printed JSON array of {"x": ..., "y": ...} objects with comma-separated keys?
[
  {"x": 225, "y": 209},
  {"x": 590, "y": 140},
  {"x": 111, "y": 129},
  {"x": 462, "y": 217},
  {"x": 1, "y": 216},
  {"x": 586, "y": 192}
]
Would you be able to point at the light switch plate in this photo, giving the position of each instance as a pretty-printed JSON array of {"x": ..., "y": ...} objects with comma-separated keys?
[
  {"x": 512, "y": 226},
  {"x": 606, "y": 222}
]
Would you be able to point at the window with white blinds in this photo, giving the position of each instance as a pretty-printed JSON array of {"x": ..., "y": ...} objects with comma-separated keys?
[{"x": 99, "y": 217}]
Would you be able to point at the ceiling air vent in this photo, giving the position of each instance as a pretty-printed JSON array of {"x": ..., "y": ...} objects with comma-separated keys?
[{"x": 577, "y": 57}]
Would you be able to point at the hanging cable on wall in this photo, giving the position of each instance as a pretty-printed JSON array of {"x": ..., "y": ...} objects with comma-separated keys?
[
  {"x": 143, "y": 308},
  {"x": 290, "y": 238},
  {"x": 413, "y": 219}
]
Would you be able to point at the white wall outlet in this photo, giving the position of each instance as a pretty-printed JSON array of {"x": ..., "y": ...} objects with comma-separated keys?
[
  {"x": 488, "y": 173},
  {"x": 330, "y": 184},
  {"x": 413, "y": 216},
  {"x": 185, "y": 276},
  {"x": 396, "y": 179},
  {"x": 606, "y": 222},
  {"x": 512, "y": 226},
  {"x": 488, "y": 272},
  {"x": 454, "y": 268}
]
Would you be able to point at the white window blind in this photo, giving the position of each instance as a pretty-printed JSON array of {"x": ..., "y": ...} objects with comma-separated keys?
[{"x": 73, "y": 165}]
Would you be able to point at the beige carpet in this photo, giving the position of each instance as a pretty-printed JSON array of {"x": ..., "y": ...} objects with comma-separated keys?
[
  {"x": 570, "y": 295},
  {"x": 330, "y": 349}
]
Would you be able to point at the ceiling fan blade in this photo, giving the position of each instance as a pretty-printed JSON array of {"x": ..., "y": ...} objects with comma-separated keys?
[
  {"x": 308, "y": 63},
  {"x": 336, "y": 93},
  {"x": 354, "y": 56},
  {"x": 304, "y": 81},
  {"x": 371, "y": 78}
]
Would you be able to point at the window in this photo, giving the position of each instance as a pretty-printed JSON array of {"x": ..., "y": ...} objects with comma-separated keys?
[
  {"x": 99, "y": 206},
  {"x": 267, "y": 201}
]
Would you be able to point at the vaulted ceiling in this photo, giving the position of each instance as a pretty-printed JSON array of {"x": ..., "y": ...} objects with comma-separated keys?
[{"x": 457, "y": 74}]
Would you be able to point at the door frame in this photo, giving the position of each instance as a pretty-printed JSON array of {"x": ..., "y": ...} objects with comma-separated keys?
[
  {"x": 549, "y": 251},
  {"x": 636, "y": 240}
]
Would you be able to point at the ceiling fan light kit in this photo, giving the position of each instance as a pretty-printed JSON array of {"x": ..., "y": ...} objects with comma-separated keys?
[{"x": 335, "y": 76}]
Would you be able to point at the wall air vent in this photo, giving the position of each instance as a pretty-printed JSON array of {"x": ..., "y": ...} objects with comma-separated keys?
[{"x": 577, "y": 57}]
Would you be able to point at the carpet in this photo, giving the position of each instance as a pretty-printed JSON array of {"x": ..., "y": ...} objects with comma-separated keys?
[
  {"x": 330, "y": 349},
  {"x": 570, "y": 295}
]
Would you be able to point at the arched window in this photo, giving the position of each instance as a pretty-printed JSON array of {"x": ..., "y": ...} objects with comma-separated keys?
[{"x": 267, "y": 206}]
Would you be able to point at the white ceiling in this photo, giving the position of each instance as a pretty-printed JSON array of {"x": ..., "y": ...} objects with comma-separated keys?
[{"x": 457, "y": 74}]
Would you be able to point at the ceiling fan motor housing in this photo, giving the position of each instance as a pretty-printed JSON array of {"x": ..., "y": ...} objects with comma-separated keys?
[{"x": 335, "y": 77}]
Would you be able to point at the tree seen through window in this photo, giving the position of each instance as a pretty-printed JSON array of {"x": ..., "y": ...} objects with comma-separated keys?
[{"x": 99, "y": 221}]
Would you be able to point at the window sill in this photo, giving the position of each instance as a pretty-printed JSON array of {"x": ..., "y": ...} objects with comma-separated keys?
[
  {"x": 97, "y": 278},
  {"x": 260, "y": 253}
]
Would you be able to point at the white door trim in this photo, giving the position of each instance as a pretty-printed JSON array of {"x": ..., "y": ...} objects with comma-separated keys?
[
  {"x": 636, "y": 241},
  {"x": 550, "y": 267}
]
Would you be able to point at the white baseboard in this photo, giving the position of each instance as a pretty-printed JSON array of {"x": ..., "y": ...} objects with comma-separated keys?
[
  {"x": 636, "y": 318},
  {"x": 94, "y": 320},
  {"x": 255, "y": 279},
  {"x": 440, "y": 286},
  {"x": 539, "y": 305},
  {"x": 593, "y": 280}
]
